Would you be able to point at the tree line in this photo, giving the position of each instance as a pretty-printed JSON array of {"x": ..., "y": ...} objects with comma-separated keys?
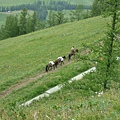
[
  {"x": 18, "y": 25},
  {"x": 108, "y": 48},
  {"x": 50, "y": 16},
  {"x": 25, "y": 23},
  {"x": 42, "y": 7}
]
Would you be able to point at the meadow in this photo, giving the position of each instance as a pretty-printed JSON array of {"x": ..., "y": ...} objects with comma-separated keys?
[
  {"x": 19, "y": 2},
  {"x": 25, "y": 57},
  {"x": 3, "y": 15}
]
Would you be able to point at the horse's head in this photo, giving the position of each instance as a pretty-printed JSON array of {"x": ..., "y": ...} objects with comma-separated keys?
[
  {"x": 64, "y": 57},
  {"x": 76, "y": 50}
]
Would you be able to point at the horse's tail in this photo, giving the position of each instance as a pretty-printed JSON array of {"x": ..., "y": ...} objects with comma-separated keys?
[{"x": 46, "y": 68}]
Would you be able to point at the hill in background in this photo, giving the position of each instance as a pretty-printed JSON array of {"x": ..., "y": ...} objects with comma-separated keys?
[
  {"x": 25, "y": 57},
  {"x": 19, "y": 2}
]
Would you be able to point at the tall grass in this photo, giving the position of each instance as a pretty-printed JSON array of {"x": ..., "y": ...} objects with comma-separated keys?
[{"x": 26, "y": 56}]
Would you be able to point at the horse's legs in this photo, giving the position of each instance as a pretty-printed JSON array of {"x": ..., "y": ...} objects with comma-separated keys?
[
  {"x": 56, "y": 64},
  {"x": 50, "y": 68},
  {"x": 69, "y": 56},
  {"x": 62, "y": 62},
  {"x": 74, "y": 54},
  {"x": 54, "y": 67}
]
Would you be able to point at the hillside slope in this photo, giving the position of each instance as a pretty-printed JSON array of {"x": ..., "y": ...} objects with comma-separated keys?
[
  {"x": 25, "y": 57},
  {"x": 19, "y": 2}
]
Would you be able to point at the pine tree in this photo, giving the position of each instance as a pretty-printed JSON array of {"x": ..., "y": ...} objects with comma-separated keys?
[
  {"x": 77, "y": 14},
  {"x": 111, "y": 43},
  {"x": 2, "y": 32},
  {"x": 96, "y": 8},
  {"x": 51, "y": 20},
  {"x": 23, "y": 21},
  {"x": 29, "y": 24},
  {"x": 60, "y": 18},
  {"x": 106, "y": 50},
  {"x": 11, "y": 26},
  {"x": 34, "y": 21}
]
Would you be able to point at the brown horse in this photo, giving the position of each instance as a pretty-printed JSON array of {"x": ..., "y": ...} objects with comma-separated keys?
[
  {"x": 50, "y": 66},
  {"x": 72, "y": 53},
  {"x": 56, "y": 63}
]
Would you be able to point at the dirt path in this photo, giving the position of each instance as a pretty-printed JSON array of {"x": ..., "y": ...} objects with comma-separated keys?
[{"x": 24, "y": 83}]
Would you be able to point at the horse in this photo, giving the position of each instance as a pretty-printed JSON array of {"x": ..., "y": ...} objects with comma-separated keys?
[
  {"x": 56, "y": 62},
  {"x": 50, "y": 65},
  {"x": 72, "y": 53},
  {"x": 61, "y": 59}
]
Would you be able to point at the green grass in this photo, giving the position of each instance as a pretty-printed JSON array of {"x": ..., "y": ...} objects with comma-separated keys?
[
  {"x": 76, "y": 100},
  {"x": 27, "y": 55},
  {"x": 72, "y": 102},
  {"x": 15, "y": 2},
  {"x": 19, "y": 2}
]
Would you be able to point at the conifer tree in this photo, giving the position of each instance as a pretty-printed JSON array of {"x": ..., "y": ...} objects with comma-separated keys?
[
  {"x": 29, "y": 24},
  {"x": 96, "y": 8},
  {"x": 51, "y": 20},
  {"x": 34, "y": 21},
  {"x": 11, "y": 26},
  {"x": 60, "y": 18},
  {"x": 23, "y": 21},
  {"x": 111, "y": 44},
  {"x": 105, "y": 51},
  {"x": 77, "y": 14}
]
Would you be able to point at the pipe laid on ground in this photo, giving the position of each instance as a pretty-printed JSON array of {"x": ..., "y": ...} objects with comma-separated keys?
[{"x": 58, "y": 87}]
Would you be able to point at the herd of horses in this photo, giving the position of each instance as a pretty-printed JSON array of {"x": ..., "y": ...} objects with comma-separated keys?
[{"x": 60, "y": 60}]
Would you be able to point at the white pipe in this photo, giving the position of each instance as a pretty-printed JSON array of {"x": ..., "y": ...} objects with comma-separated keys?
[{"x": 58, "y": 87}]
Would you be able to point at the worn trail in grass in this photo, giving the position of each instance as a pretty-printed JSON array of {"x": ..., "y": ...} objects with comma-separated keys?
[{"x": 24, "y": 83}]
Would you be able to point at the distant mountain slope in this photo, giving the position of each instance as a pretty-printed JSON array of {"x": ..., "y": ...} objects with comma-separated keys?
[{"x": 19, "y": 2}]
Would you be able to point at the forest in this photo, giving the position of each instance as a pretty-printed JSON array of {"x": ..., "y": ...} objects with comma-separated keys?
[{"x": 45, "y": 14}]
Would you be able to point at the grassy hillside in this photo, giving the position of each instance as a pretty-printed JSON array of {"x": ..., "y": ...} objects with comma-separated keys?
[
  {"x": 27, "y": 54},
  {"x": 19, "y": 2},
  {"x": 76, "y": 102},
  {"x": 25, "y": 57}
]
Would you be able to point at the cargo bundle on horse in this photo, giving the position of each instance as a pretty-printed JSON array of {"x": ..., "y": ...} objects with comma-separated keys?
[
  {"x": 61, "y": 59},
  {"x": 50, "y": 66}
]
